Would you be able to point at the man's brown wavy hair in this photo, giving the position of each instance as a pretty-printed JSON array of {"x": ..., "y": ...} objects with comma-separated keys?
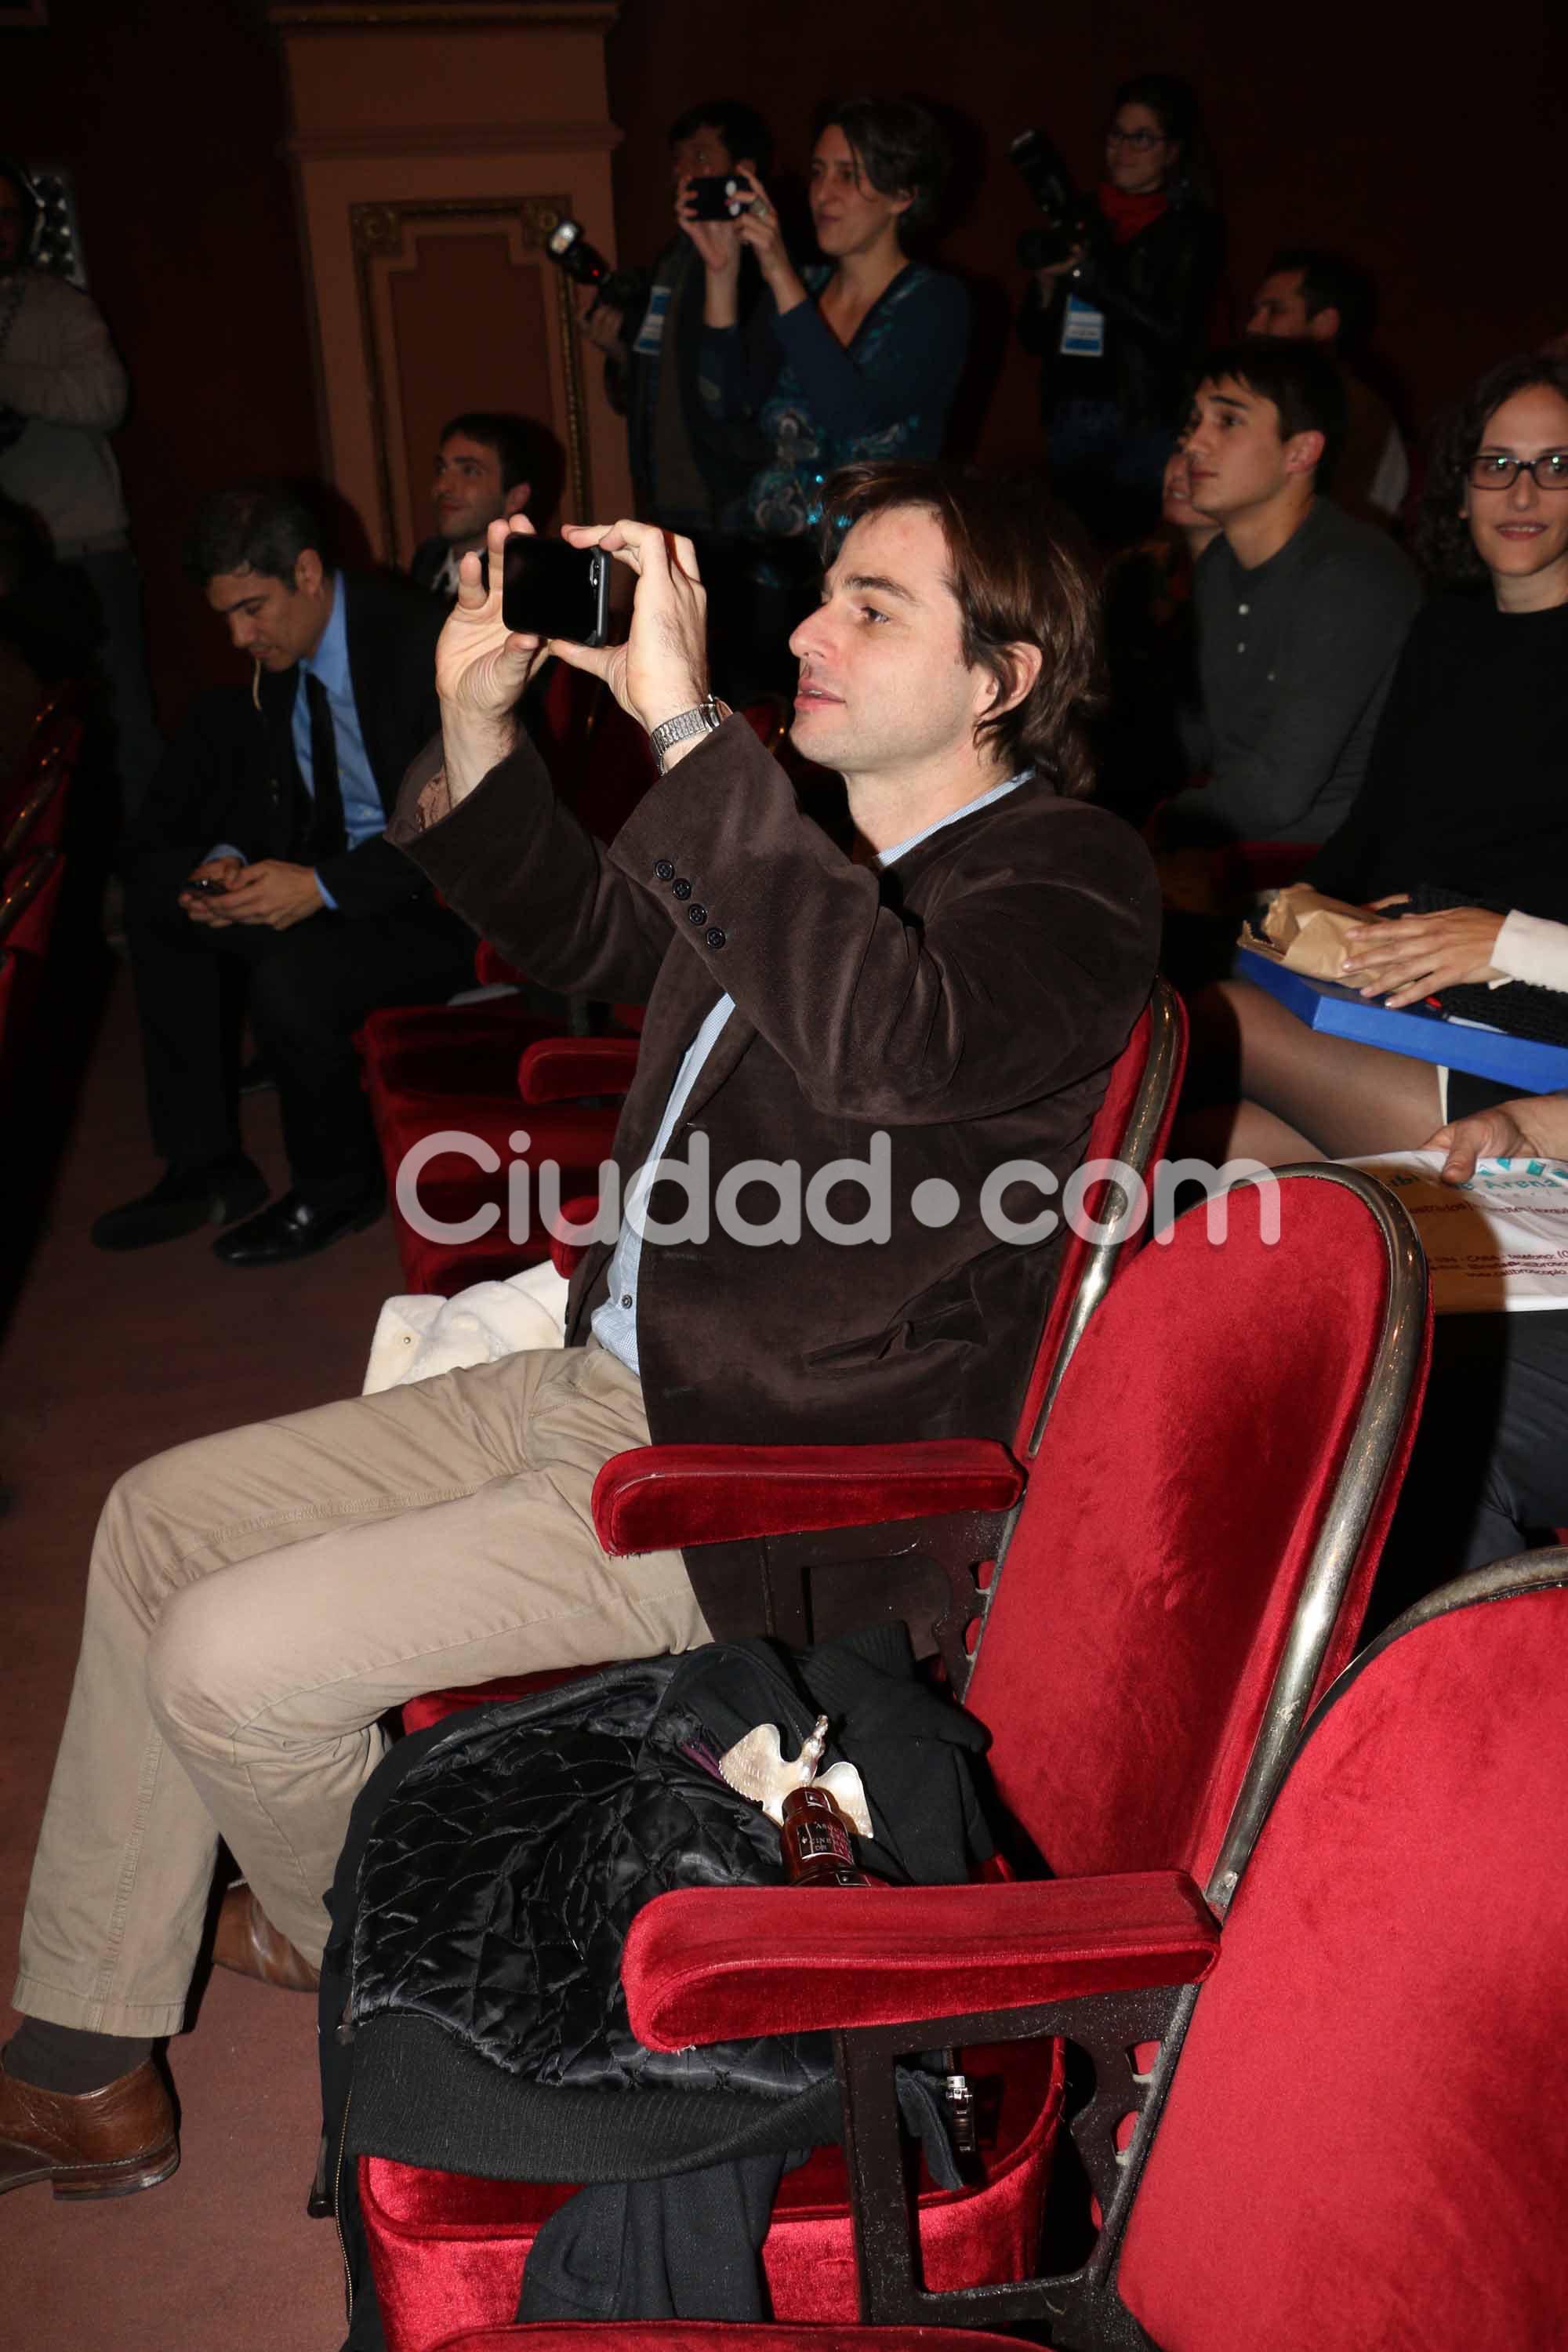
[{"x": 1021, "y": 573}]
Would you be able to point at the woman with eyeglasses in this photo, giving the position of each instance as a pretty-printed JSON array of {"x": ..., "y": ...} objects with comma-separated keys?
[
  {"x": 1466, "y": 794},
  {"x": 1122, "y": 320}
]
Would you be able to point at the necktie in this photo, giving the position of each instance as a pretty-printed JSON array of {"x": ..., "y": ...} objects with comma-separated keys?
[{"x": 331, "y": 839}]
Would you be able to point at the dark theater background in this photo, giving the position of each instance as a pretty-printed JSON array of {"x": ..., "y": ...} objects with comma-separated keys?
[{"x": 1363, "y": 128}]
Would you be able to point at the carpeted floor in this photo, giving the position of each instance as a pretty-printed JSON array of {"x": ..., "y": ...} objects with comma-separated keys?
[{"x": 107, "y": 1360}]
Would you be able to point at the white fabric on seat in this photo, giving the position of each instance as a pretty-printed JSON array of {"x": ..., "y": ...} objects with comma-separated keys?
[{"x": 418, "y": 1334}]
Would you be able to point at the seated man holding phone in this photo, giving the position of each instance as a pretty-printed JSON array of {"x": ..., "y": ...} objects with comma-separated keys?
[
  {"x": 941, "y": 1006},
  {"x": 262, "y": 855}
]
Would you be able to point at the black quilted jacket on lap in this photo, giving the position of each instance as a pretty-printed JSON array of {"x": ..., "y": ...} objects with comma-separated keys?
[{"x": 471, "y": 1992}]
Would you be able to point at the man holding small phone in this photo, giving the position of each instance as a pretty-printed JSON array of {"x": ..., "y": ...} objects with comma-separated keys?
[
  {"x": 683, "y": 477},
  {"x": 950, "y": 997},
  {"x": 259, "y": 859}
]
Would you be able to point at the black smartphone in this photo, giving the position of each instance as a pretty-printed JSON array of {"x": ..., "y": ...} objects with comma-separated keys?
[
  {"x": 551, "y": 590},
  {"x": 719, "y": 197},
  {"x": 205, "y": 885}
]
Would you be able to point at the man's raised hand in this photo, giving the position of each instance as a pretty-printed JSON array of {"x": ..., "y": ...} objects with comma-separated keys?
[
  {"x": 662, "y": 669},
  {"x": 482, "y": 666}
]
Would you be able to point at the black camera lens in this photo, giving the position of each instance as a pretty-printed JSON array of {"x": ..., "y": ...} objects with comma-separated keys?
[
  {"x": 586, "y": 266},
  {"x": 582, "y": 262}
]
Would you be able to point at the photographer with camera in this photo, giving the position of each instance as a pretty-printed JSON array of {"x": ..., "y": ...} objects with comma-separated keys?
[
  {"x": 687, "y": 475},
  {"x": 650, "y": 329},
  {"x": 1119, "y": 306},
  {"x": 856, "y": 357}
]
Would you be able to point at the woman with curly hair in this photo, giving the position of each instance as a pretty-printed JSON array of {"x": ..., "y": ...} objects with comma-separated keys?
[{"x": 1467, "y": 790}]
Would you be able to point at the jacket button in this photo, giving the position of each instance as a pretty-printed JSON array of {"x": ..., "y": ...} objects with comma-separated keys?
[
  {"x": 680, "y": 888},
  {"x": 716, "y": 937},
  {"x": 697, "y": 914},
  {"x": 664, "y": 871}
]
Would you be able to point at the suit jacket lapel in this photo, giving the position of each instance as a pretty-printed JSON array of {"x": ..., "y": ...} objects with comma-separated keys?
[{"x": 733, "y": 1040}]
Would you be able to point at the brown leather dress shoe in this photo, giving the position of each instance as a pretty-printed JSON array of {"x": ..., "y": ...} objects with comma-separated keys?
[
  {"x": 249, "y": 1943},
  {"x": 107, "y": 2143}
]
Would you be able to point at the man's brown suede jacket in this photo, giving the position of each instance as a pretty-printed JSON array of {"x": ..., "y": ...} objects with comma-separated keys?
[{"x": 967, "y": 1001}]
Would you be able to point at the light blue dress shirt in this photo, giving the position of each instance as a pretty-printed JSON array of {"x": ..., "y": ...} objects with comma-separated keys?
[{"x": 614, "y": 1324}]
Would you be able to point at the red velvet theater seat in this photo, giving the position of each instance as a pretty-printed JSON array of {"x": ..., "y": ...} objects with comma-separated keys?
[
  {"x": 1351, "y": 2139},
  {"x": 29, "y": 901},
  {"x": 1190, "y": 1564},
  {"x": 473, "y": 2235},
  {"x": 564, "y": 1099},
  {"x": 1378, "y": 2054}
]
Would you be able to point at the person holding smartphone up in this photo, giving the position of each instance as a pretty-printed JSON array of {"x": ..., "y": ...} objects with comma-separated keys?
[
  {"x": 683, "y": 477},
  {"x": 857, "y": 356}
]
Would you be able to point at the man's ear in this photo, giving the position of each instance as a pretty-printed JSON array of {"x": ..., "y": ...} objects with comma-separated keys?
[
  {"x": 308, "y": 572},
  {"x": 517, "y": 498},
  {"x": 1303, "y": 453},
  {"x": 1323, "y": 327},
  {"x": 1024, "y": 661}
]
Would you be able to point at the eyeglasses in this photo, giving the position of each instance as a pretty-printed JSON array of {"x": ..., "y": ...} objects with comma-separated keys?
[
  {"x": 1138, "y": 140},
  {"x": 1492, "y": 471}
]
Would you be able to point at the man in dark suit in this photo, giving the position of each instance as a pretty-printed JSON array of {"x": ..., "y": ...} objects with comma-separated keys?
[
  {"x": 261, "y": 856},
  {"x": 943, "y": 1007},
  {"x": 488, "y": 466}
]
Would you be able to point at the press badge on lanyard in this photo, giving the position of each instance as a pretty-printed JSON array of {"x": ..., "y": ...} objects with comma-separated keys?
[
  {"x": 650, "y": 334},
  {"x": 1083, "y": 330}
]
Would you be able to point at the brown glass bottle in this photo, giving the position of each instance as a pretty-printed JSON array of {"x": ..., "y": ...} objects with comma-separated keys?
[{"x": 816, "y": 1841}]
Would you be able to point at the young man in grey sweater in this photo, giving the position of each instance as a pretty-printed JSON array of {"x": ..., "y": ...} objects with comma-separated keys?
[{"x": 1301, "y": 610}]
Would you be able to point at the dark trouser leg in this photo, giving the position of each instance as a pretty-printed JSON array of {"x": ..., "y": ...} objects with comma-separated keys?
[
  {"x": 1489, "y": 1476},
  {"x": 186, "y": 985},
  {"x": 308, "y": 994}
]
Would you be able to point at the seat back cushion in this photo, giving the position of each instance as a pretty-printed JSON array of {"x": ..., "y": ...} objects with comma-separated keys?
[
  {"x": 1193, "y": 1450},
  {"x": 1366, "y": 2143}
]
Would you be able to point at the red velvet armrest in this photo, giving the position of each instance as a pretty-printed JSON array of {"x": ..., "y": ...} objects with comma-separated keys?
[
  {"x": 558, "y": 1069},
  {"x": 658, "y": 1497},
  {"x": 716, "y": 1964}
]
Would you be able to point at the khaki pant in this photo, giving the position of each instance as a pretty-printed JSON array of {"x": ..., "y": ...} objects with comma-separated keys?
[{"x": 256, "y": 1601}]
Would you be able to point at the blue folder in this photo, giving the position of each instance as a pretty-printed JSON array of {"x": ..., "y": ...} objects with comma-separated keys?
[{"x": 1521, "y": 1063}]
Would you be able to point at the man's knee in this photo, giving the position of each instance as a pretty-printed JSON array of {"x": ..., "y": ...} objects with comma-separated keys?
[
  {"x": 201, "y": 1668},
  {"x": 130, "y": 1550}
]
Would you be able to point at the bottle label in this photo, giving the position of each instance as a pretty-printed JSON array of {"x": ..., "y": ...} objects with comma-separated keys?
[{"x": 820, "y": 1841}]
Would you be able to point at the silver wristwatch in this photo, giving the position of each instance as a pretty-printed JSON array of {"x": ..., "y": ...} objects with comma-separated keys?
[{"x": 700, "y": 720}]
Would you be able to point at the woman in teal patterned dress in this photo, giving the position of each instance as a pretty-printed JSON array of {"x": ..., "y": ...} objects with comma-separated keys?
[{"x": 858, "y": 356}]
